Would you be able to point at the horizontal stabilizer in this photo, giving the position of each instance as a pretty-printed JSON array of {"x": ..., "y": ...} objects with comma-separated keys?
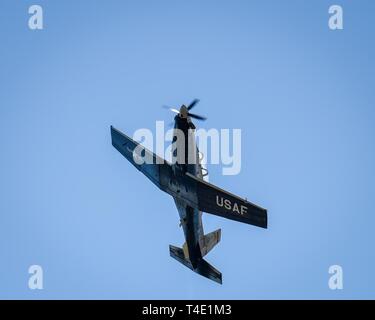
[
  {"x": 203, "y": 268},
  {"x": 208, "y": 271},
  {"x": 178, "y": 254},
  {"x": 210, "y": 240}
]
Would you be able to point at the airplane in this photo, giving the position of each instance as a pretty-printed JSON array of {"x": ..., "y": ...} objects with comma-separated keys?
[{"x": 185, "y": 181}]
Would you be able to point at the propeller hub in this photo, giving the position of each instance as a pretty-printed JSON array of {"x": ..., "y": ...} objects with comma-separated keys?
[{"x": 184, "y": 112}]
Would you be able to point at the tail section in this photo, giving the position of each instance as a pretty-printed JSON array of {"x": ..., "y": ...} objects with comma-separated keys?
[{"x": 203, "y": 268}]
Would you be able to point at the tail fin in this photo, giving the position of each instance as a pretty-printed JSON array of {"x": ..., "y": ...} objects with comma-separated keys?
[
  {"x": 210, "y": 240},
  {"x": 203, "y": 268}
]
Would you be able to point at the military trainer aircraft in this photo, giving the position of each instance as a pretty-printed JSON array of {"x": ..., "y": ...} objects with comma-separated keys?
[{"x": 184, "y": 181}]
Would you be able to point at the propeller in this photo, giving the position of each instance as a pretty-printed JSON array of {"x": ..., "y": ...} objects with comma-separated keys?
[
  {"x": 192, "y": 104},
  {"x": 171, "y": 109},
  {"x": 184, "y": 111},
  {"x": 196, "y": 116}
]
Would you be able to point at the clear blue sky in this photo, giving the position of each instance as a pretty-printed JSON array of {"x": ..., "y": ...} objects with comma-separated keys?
[{"x": 302, "y": 94}]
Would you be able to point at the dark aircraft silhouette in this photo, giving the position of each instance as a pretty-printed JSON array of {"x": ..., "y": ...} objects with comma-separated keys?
[{"x": 184, "y": 181}]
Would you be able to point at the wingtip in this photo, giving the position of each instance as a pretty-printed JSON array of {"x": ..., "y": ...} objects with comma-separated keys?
[{"x": 266, "y": 219}]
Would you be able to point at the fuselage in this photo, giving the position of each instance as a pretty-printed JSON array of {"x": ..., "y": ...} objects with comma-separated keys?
[{"x": 187, "y": 158}]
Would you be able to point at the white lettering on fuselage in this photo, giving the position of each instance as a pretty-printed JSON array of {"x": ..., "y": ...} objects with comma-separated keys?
[{"x": 234, "y": 207}]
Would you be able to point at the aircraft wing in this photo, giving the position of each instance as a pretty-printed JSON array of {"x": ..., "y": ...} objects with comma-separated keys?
[
  {"x": 212, "y": 199},
  {"x": 155, "y": 168}
]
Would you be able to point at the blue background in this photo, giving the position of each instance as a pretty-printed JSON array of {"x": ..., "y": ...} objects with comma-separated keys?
[{"x": 302, "y": 94}]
